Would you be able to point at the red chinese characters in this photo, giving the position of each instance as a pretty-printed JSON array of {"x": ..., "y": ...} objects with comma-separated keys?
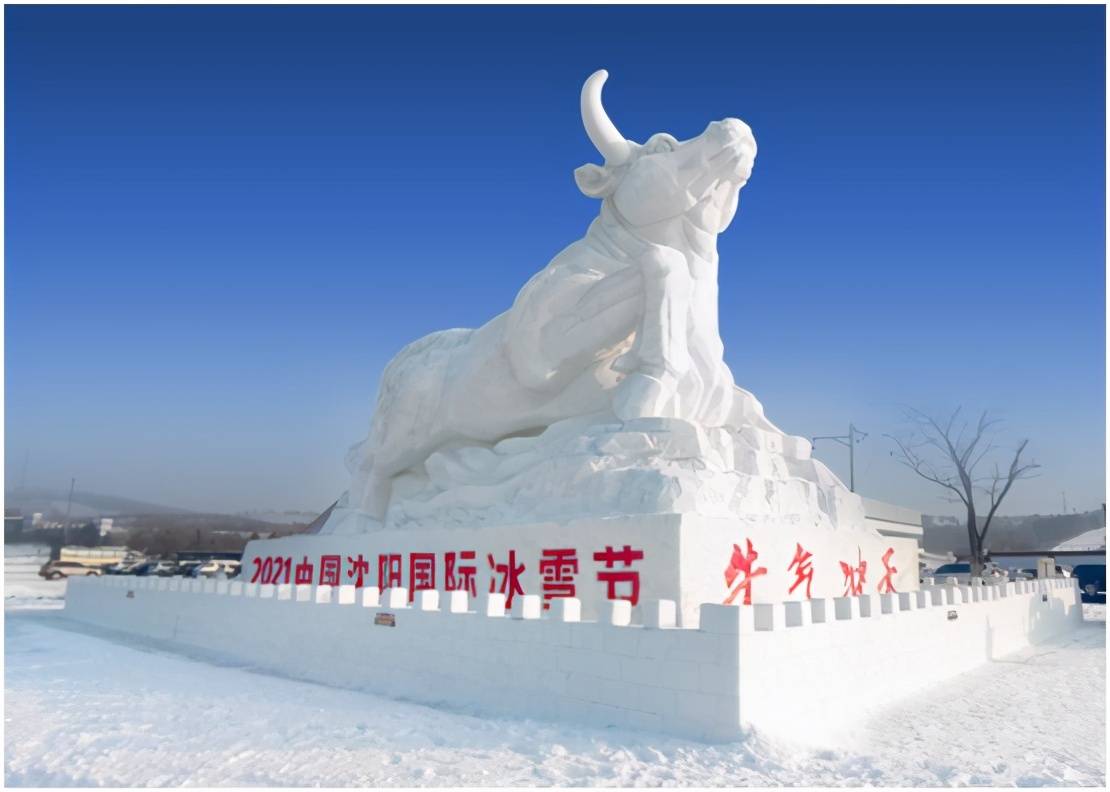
[
  {"x": 886, "y": 583},
  {"x": 510, "y": 577},
  {"x": 854, "y": 576},
  {"x": 422, "y": 573},
  {"x": 460, "y": 576},
  {"x": 557, "y": 570},
  {"x": 329, "y": 570},
  {"x": 741, "y": 572},
  {"x": 302, "y": 575},
  {"x": 803, "y": 569},
  {"x": 389, "y": 571},
  {"x": 613, "y": 575},
  {"x": 359, "y": 568}
]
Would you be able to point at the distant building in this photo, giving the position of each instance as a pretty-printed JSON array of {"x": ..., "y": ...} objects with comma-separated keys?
[
  {"x": 13, "y": 524},
  {"x": 891, "y": 520}
]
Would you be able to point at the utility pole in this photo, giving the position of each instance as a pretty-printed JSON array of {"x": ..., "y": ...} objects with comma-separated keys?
[
  {"x": 1064, "y": 495},
  {"x": 849, "y": 440},
  {"x": 69, "y": 505}
]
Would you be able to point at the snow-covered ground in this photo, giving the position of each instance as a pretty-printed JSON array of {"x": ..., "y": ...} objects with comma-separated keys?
[{"x": 83, "y": 710}]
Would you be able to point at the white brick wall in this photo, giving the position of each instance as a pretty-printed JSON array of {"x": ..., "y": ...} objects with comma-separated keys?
[{"x": 802, "y": 669}]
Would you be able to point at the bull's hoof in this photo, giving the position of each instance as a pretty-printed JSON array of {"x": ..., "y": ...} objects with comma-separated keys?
[{"x": 644, "y": 396}]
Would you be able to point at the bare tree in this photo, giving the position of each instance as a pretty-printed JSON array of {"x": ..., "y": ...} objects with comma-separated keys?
[{"x": 949, "y": 453}]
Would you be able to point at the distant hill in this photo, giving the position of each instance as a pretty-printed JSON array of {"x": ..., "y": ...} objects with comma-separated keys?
[
  {"x": 1011, "y": 534},
  {"x": 290, "y": 517},
  {"x": 192, "y": 521},
  {"x": 86, "y": 505}
]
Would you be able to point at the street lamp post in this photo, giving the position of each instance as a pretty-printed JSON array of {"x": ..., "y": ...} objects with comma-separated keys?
[{"x": 849, "y": 440}]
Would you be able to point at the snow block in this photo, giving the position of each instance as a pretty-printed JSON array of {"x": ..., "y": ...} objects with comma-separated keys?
[
  {"x": 285, "y": 591},
  {"x": 427, "y": 600},
  {"x": 767, "y": 616},
  {"x": 347, "y": 595},
  {"x": 493, "y": 605},
  {"x": 795, "y": 614},
  {"x": 303, "y": 592},
  {"x": 396, "y": 597},
  {"x": 721, "y": 619},
  {"x": 458, "y": 601},
  {"x": 323, "y": 595},
  {"x": 617, "y": 612},
  {"x": 235, "y": 589},
  {"x": 846, "y": 608},
  {"x": 661, "y": 614},
  {"x": 529, "y": 606},
  {"x": 371, "y": 597},
  {"x": 566, "y": 609}
]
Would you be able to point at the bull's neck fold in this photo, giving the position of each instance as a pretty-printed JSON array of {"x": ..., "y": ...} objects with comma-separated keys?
[{"x": 612, "y": 233}]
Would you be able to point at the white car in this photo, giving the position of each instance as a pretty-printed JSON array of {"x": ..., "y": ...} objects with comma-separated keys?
[
  {"x": 962, "y": 573},
  {"x": 215, "y": 568}
]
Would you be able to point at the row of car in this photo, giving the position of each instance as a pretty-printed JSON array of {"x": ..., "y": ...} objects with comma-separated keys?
[
  {"x": 210, "y": 567},
  {"x": 1091, "y": 578},
  {"x": 143, "y": 567},
  {"x": 991, "y": 571}
]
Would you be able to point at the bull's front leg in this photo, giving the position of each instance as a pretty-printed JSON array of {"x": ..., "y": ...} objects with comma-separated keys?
[{"x": 659, "y": 356}]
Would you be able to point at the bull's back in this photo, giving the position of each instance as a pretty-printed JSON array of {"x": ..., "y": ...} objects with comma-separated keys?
[{"x": 409, "y": 414}]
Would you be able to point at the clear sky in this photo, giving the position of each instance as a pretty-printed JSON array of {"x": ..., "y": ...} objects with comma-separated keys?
[{"x": 221, "y": 222}]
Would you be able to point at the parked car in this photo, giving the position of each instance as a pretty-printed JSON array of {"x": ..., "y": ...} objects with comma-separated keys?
[
  {"x": 56, "y": 570},
  {"x": 123, "y": 567},
  {"x": 215, "y": 567},
  {"x": 185, "y": 568},
  {"x": 962, "y": 572},
  {"x": 153, "y": 569}
]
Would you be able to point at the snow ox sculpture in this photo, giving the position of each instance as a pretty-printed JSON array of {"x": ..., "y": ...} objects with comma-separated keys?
[
  {"x": 622, "y": 324},
  {"x": 597, "y": 412}
]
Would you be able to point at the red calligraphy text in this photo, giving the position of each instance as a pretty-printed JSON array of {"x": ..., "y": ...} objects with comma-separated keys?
[
  {"x": 557, "y": 570},
  {"x": 741, "y": 572},
  {"x": 623, "y": 575}
]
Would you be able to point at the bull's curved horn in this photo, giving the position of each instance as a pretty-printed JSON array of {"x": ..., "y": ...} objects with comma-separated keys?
[{"x": 603, "y": 134}]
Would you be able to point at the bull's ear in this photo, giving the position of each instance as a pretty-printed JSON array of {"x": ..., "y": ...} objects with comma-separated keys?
[{"x": 594, "y": 180}]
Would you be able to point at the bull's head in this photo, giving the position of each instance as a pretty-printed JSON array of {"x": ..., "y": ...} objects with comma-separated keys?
[{"x": 664, "y": 178}]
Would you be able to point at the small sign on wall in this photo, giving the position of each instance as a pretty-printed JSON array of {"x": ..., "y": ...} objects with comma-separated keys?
[{"x": 385, "y": 620}]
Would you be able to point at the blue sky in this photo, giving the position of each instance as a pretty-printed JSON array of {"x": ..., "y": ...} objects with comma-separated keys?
[{"x": 221, "y": 222}]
